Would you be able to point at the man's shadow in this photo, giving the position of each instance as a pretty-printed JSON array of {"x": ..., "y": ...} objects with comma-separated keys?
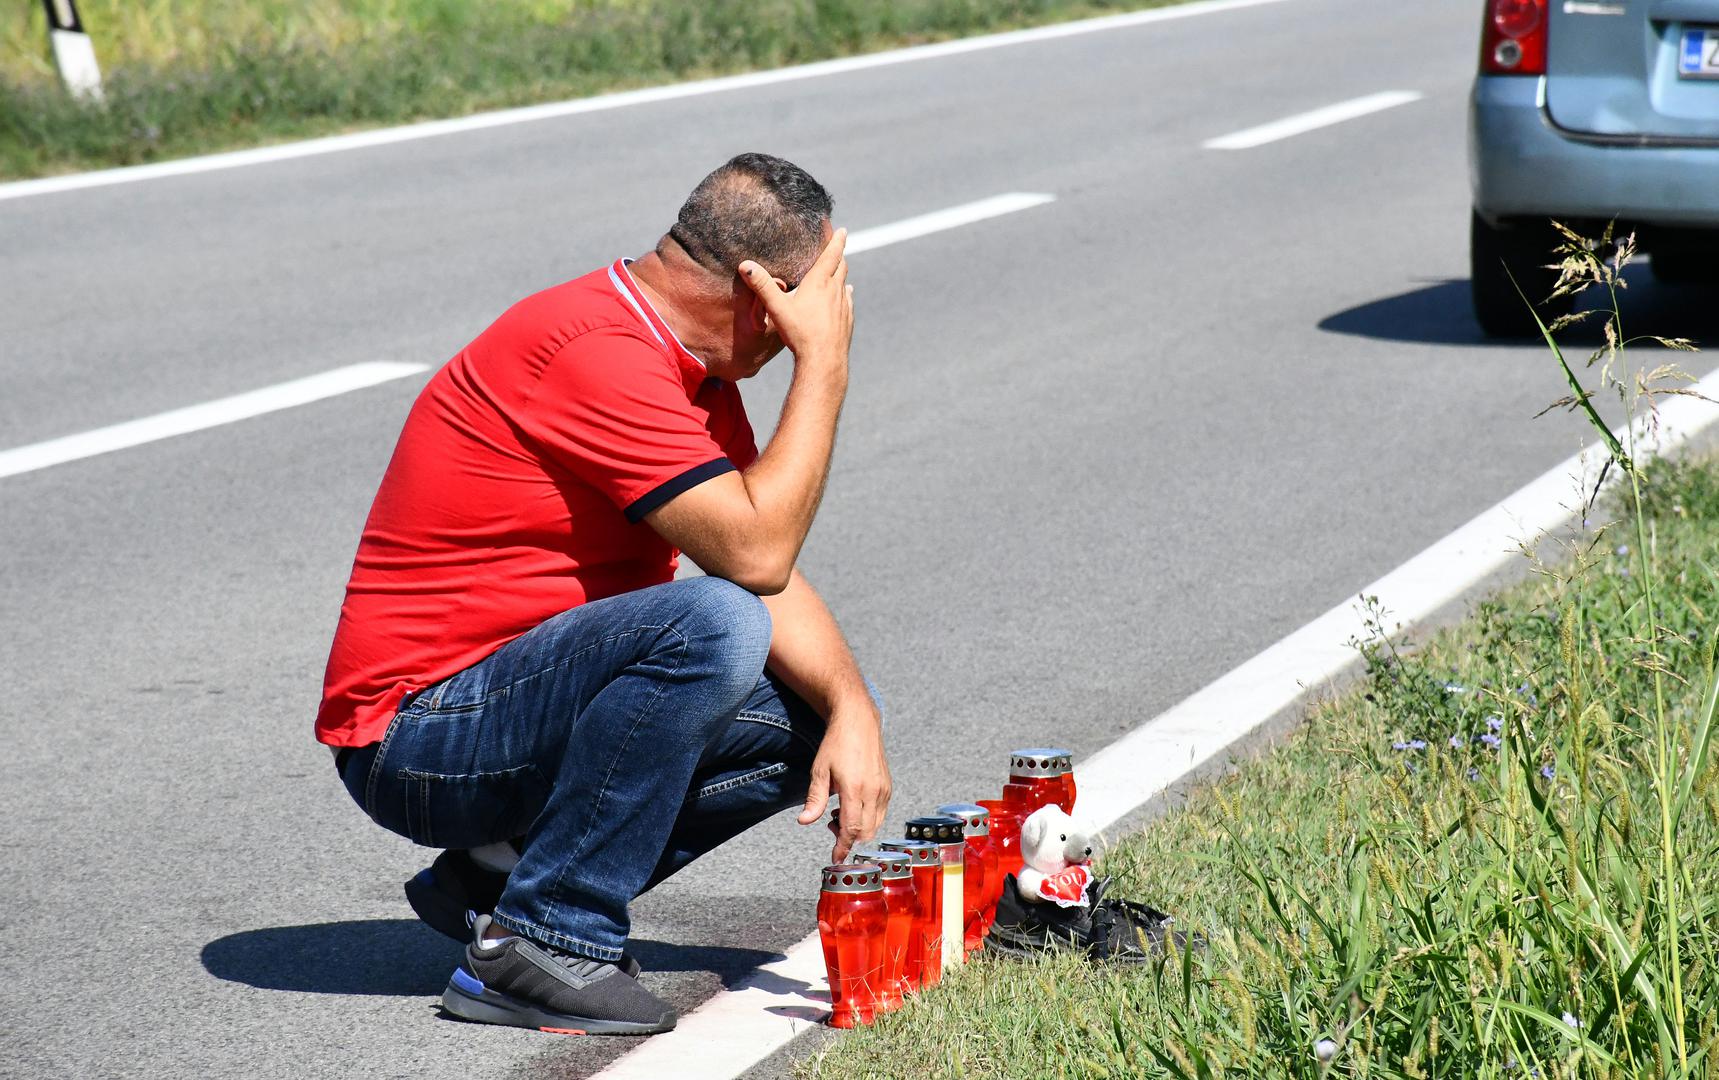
[{"x": 405, "y": 958}]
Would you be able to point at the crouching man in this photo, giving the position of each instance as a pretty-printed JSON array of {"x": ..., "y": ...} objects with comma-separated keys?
[{"x": 517, "y": 677}]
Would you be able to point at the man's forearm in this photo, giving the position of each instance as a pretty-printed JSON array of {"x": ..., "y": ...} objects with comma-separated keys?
[
  {"x": 786, "y": 483},
  {"x": 809, "y": 653}
]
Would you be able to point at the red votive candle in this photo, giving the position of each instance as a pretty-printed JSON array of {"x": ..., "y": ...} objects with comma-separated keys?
[
  {"x": 1041, "y": 770},
  {"x": 851, "y": 924},
  {"x": 946, "y": 833},
  {"x": 1066, "y": 764},
  {"x": 1006, "y": 842},
  {"x": 981, "y": 875},
  {"x": 899, "y": 905},
  {"x": 924, "y": 964}
]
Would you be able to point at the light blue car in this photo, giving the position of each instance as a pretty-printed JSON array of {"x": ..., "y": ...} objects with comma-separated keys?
[{"x": 1586, "y": 111}]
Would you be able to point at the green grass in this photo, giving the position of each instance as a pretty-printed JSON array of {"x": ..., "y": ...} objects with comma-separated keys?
[
  {"x": 1494, "y": 858},
  {"x": 191, "y": 76}
]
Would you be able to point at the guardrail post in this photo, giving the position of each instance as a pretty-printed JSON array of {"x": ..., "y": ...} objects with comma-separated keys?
[{"x": 74, "y": 53}]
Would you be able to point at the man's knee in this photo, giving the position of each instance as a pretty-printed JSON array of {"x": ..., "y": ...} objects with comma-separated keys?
[{"x": 729, "y": 626}]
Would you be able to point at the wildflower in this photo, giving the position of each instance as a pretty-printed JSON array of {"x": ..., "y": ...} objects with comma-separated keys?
[
  {"x": 1492, "y": 740},
  {"x": 1623, "y": 549},
  {"x": 1473, "y": 773},
  {"x": 1549, "y": 772},
  {"x": 1324, "y": 1049},
  {"x": 1569, "y": 1018},
  {"x": 1457, "y": 742},
  {"x": 1455, "y": 688},
  {"x": 1493, "y": 723},
  {"x": 1411, "y": 744}
]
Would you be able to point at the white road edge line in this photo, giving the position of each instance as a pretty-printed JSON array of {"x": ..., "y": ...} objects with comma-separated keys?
[
  {"x": 740, "y": 1027},
  {"x": 303, "y": 391},
  {"x": 480, "y": 121},
  {"x": 208, "y": 414},
  {"x": 1311, "y": 121}
]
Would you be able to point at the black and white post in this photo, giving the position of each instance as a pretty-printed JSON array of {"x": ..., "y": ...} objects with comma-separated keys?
[{"x": 74, "y": 53}]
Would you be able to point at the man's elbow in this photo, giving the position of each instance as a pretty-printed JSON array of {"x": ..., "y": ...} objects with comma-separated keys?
[{"x": 765, "y": 575}]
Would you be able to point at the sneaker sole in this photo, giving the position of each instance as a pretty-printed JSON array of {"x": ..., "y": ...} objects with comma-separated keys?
[
  {"x": 435, "y": 909},
  {"x": 482, "y": 1005}
]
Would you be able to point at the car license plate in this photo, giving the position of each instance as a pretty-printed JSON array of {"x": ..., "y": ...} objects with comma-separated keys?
[{"x": 1699, "y": 57}]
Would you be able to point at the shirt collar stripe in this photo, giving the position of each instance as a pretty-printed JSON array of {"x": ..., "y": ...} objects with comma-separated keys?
[
  {"x": 622, "y": 277},
  {"x": 622, "y": 289}
]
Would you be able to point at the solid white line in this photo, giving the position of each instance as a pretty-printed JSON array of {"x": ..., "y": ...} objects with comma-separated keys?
[
  {"x": 741, "y": 1027},
  {"x": 481, "y": 121},
  {"x": 209, "y": 414},
  {"x": 939, "y": 220},
  {"x": 1312, "y": 121}
]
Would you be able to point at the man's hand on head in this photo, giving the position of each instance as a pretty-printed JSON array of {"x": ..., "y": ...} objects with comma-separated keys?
[
  {"x": 816, "y": 318},
  {"x": 850, "y": 764}
]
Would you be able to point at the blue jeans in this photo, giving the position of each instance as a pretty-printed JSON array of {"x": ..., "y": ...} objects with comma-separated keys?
[{"x": 623, "y": 739}]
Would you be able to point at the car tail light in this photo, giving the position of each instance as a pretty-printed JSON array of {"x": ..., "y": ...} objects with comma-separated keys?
[{"x": 1513, "y": 40}]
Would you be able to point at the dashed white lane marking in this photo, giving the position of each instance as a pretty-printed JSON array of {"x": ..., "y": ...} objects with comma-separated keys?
[
  {"x": 1312, "y": 121},
  {"x": 937, "y": 221},
  {"x": 741, "y": 1027},
  {"x": 209, "y": 414},
  {"x": 502, "y": 118},
  {"x": 285, "y": 395}
]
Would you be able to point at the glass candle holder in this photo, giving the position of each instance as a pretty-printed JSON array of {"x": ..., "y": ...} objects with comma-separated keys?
[
  {"x": 851, "y": 925},
  {"x": 946, "y": 833},
  {"x": 899, "y": 905},
  {"x": 979, "y": 869},
  {"x": 923, "y": 965},
  {"x": 1006, "y": 844},
  {"x": 1040, "y": 770}
]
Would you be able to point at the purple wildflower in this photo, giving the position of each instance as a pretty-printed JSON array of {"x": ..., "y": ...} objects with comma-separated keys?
[
  {"x": 1494, "y": 741},
  {"x": 1494, "y": 723},
  {"x": 1623, "y": 549},
  {"x": 1549, "y": 771},
  {"x": 1457, "y": 742},
  {"x": 1473, "y": 773}
]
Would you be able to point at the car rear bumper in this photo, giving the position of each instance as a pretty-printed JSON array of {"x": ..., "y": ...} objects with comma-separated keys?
[{"x": 1521, "y": 165}]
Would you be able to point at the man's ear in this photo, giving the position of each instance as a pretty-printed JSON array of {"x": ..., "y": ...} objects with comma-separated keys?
[{"x": 761, "y": 321}]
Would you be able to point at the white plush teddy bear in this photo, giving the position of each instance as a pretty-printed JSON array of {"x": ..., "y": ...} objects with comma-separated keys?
[{"x": 1056, "y": 857}]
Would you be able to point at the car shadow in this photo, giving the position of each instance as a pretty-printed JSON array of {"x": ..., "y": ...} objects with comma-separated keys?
[
  {"x": 405, "y": 958},
  {"x": 1439, "y": 313}
]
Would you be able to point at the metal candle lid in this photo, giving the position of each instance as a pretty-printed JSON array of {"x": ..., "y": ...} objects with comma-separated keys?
[
  {"x": 1040, "y": 761},
  {"x": 976, "y": 818},
  {"x": 853, "y": 878},
  {"x": 896, "y": 864},
  {"x": 922, "y": 852},
  {"x": 937, "y": 828}
]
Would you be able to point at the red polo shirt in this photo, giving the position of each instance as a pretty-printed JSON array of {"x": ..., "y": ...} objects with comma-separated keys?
[{"x": 517, "y": 491}]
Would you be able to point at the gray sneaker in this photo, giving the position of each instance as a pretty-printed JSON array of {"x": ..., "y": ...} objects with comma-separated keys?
[{"x": 523, "y": 984}]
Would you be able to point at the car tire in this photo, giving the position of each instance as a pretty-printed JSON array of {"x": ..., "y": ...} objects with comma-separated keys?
[{"x": 1496, "y": 253}]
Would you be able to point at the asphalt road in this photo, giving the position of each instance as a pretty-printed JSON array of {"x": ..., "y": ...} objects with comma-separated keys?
[{"x": 1095, "y": 454}]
